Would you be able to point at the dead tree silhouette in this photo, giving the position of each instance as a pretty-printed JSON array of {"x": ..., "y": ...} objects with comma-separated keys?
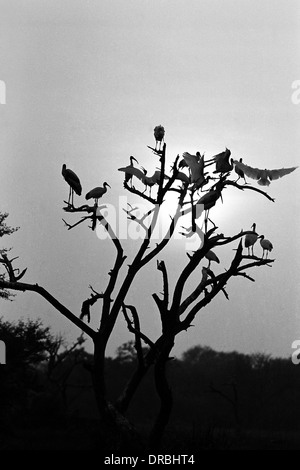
[{"x": 177, "y": 311}]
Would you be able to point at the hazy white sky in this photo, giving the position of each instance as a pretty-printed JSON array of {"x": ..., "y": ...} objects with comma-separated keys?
[{"x": 87, "y": 81}]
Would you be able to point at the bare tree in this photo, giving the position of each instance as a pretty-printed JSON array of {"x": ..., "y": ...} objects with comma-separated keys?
[
  {"x": 177, "y": 311},
  {"x": 5, "y": 230}
]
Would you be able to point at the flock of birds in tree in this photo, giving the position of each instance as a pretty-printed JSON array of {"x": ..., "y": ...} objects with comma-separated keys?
[{"x": 196, "y": 166}]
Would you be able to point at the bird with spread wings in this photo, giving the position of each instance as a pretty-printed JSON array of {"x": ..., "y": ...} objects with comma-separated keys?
[{"x": 263, "y": 177}]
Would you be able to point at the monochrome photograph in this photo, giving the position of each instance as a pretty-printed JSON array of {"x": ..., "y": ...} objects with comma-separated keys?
[{"x": 149, "y": 228}]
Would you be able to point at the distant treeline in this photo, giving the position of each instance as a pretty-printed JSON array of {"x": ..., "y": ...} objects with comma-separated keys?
[{"x": 45, "y": 381}]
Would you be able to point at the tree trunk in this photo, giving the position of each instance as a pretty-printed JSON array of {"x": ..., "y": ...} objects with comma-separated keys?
[
  {"x": 117, "y": 432},
  {"x": 132, "y": 385},
  {"x": 166, "y": 397}
]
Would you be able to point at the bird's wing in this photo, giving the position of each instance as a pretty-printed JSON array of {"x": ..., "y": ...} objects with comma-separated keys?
[
  {"x": 201, "y": 163},
  {"x": 89, "y": 195},
  {"x": 131, "y": 170},
  {"x": 191, "y": 161},
  {"x": 196, "y": 166},
  {"x": 182, "y": 177},
  {"x": 72, "y": 176},
  {"x": 275, "y": 174},
  {"x": 254, "y": 173},
  {"x": 206, "y": 197},
  {"x": 182, "y": 164},
  {"x": 156, "y": 177},
  {"x": 237, "y": 164},
  {"x": 222, "y": 155}
]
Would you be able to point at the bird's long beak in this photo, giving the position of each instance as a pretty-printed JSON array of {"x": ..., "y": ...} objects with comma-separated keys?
[{"x": 135, "y": 160}]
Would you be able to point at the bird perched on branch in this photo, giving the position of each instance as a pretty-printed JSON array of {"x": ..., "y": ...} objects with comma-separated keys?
[
  {"x": 96, "y": 193},
  {"x": 133, "y": 171},
  {"x": 73, "y": 181},
  {"x": 159, "y": 133},
  {"x": 266, "y": 245},
  {"x": 207, "y": 201},
  {"x": 195, "y": 164},
  {"x": 210, "y": 198},
  {"x": 222, "y": 162},
  {"x": 184, "y": 162},
  {"x": 263, "y": 177},
  {"x": 250, "y": 239},
  {"x": 239, "y": 170},
  {"x": 150, "y": 181},
  {"x": 211, "y": 256},
  {"x": 128, "y": 174}
]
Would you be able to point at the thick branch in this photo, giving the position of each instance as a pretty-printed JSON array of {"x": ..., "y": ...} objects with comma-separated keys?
[
  {"x": 172, "y": 179},
  {"x": 162, "y": 267},
  {"x": 136, "y": 330},
  {"x": 225, "y": 240},
  {"x": 115, "y": 270},
  {"x": 133, "y": 270},
  {"x": 160, "y": 193},
  {"x": 20, "y": 286},
  {"x": 195, "y": 294},
  {"x": 233, "y": 183},
  {"x": 219, "y": 282},
  {"x": 217, "y": 287},
  {"x": 169, "y": 233},
  {"x": 139, "y": 193},
  {"x": 193, "y": 262},
  {"x": 86, "y": 304}
]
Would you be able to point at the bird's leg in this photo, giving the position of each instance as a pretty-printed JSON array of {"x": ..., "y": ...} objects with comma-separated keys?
[
  {"x": 72, "y": 197},
  {"x": 69, "y": 195}
]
